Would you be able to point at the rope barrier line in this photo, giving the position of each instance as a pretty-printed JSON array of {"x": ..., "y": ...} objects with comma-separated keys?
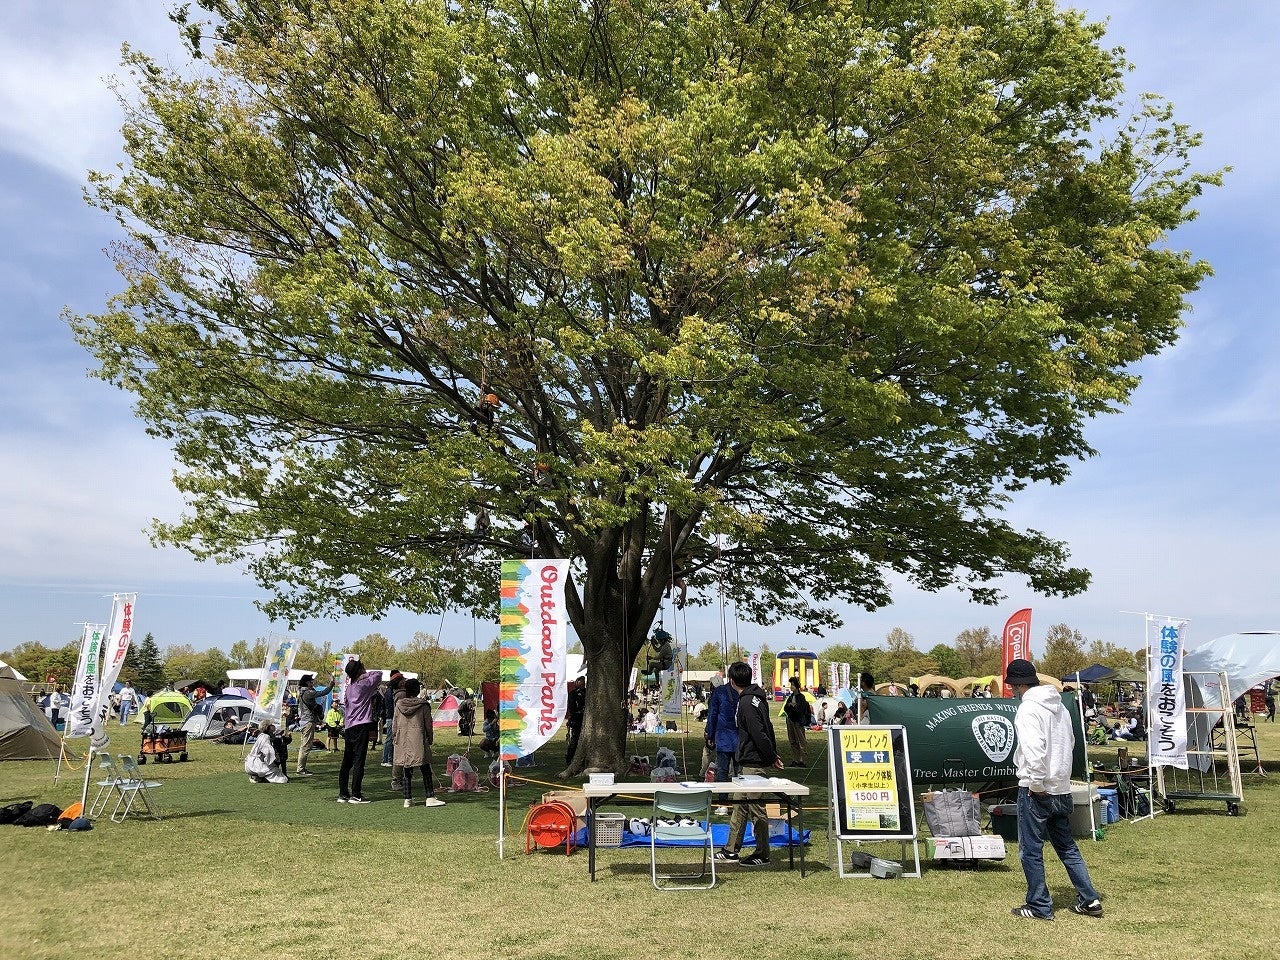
[{"x": 67, "y": 757}]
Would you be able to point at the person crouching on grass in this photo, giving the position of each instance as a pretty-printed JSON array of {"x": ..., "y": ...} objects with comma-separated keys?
[
  {"x": 412, "y": 734},
  {"x": 266, "y": 759}
]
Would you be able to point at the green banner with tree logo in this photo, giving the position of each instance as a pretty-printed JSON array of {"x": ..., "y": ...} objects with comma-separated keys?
[{"x": 964, "y": 741}]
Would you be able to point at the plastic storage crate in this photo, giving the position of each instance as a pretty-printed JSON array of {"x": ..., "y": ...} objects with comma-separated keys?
[{"x": 609, "y": 827}]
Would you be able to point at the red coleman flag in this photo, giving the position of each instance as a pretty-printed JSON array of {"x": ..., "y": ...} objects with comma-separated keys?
[{"x": 1017, "y": 642}]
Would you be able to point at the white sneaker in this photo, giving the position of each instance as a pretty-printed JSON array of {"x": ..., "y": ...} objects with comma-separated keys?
[
  {"x": 408, "y": 804},
  {"x": 433, "y": 802},
  {"x": 721, "y": 811}
]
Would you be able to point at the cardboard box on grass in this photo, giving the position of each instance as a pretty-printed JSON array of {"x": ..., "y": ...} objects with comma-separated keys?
[
  {"x": 575, "y": 800},
  {"x": 983, "y": 847}
]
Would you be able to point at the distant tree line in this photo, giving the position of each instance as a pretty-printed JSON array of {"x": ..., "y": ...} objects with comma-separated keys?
[
  {"x": 150, "y": 669},
  {"x": 975, "y": 652}
]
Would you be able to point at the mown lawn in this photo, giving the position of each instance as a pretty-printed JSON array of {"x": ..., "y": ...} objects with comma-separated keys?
[{"x": 283, "y": 871}]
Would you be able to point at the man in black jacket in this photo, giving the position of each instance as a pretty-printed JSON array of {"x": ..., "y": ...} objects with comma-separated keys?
[{"x": 757, "y": 755}]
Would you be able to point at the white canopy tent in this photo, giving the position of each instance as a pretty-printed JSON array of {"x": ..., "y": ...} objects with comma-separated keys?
[{"x": 1245, "y": 659}]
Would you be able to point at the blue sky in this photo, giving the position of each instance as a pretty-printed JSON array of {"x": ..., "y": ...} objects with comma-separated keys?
[{"x": 1177, "y": 514}]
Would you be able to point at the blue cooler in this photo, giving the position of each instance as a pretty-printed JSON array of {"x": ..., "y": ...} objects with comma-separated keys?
[{"x": 1110, "y": 805}]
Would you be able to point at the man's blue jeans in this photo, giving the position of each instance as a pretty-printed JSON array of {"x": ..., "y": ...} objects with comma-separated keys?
[
  {"x": 1047, "y": 818},
  {"x": 726, "y": 766},
  {"x": 126, "y": 708}
]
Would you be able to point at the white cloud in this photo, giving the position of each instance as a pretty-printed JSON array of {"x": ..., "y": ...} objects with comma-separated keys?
[{"x": 55, "y": 58}]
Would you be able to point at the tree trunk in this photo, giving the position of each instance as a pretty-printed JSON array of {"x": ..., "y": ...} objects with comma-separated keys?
[
  {"x": 612, "y": 633},
  {"x": 602, "y": 744}
]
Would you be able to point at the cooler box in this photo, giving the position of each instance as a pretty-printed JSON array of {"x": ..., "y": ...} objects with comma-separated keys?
[
  {"x": 1082, "y": 795},
  {"x": 1004, "y": 821},
  {"x": 1081, "y": 827},
  {"x": 1110, "y": 804}
]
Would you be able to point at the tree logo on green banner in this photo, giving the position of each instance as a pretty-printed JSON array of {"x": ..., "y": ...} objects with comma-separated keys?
[{"x": 994, "y": 734}]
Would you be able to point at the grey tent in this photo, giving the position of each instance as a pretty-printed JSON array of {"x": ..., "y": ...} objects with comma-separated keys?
[{"x": 25, "y": 732}]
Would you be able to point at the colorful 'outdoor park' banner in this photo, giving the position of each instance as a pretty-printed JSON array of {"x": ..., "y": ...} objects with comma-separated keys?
[
  {"x": 1016, "y": 643},
  {"x": 1167, "y": 726},
  {"x": 118, "y": 637},
  {"x": 533, "y": 693},
  {"x": 275, "y": 677},
  {"x": 84, "y": 692}
]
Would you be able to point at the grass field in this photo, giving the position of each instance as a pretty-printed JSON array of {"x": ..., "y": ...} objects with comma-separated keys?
[{"x": 283, "y": 871}]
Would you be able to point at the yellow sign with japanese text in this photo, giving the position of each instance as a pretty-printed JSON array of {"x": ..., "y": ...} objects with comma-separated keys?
[{"x": 872, "y": 782}]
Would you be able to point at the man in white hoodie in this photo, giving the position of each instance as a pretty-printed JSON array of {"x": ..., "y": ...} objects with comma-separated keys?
[{"x": 1043, "y": 758}]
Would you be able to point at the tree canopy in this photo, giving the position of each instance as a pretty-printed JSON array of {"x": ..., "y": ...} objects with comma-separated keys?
[{"x": 785, "y": 297}]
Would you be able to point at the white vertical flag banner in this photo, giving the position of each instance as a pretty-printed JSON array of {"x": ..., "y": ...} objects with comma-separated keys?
[
  {"x": 844, "y": 676},
  {"x": 84, "y": 692},
  {"x": 341, "y": 679},
  {"x": 275, "y": 677},
  {"x": 533, "y": 692},
  {"x": 118, "y": 636},
  {"x": 1167, "y": 733},
  {"x": 673, "y": 684},
  {"x": 756, "y": 677}
]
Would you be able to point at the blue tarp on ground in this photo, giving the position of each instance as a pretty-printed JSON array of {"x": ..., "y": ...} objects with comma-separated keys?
[{"x": 719, "y": 837}]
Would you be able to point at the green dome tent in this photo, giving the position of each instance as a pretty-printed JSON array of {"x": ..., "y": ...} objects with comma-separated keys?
[{"x": 167, "y": 708}]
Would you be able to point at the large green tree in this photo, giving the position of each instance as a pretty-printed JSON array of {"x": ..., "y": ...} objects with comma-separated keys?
[
  {"x": 1063, "y": 651},
  {"x": 781, "y": 297},
  {"x": 142, "y": 665}
]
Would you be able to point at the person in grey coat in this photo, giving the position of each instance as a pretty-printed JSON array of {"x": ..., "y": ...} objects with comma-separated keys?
[{"x": 413, "y": 734}]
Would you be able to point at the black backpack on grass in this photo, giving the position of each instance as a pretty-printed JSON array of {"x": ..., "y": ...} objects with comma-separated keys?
[
  {"x": 41, "y": 816},
  {"x": 13, "y": 811}
]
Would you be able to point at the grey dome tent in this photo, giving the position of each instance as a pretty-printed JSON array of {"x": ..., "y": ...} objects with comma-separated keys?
[
  {"x": 207, "y": 717},
  {"x": 25, "y": 732}
]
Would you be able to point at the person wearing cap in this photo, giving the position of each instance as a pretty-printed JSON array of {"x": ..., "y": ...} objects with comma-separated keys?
[
  {"x": 311, "y": 716},
  {"x": 1045, "y": 803}
]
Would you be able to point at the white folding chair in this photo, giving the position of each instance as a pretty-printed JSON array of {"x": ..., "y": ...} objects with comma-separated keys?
[
  {"x": 134, "y": 788},
  {"x": 674, "y": 806},
  {"x": 108, "y": 786}
]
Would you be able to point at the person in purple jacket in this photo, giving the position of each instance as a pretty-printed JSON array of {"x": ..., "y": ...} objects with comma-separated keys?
[{"x": 355, "y": 732}]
